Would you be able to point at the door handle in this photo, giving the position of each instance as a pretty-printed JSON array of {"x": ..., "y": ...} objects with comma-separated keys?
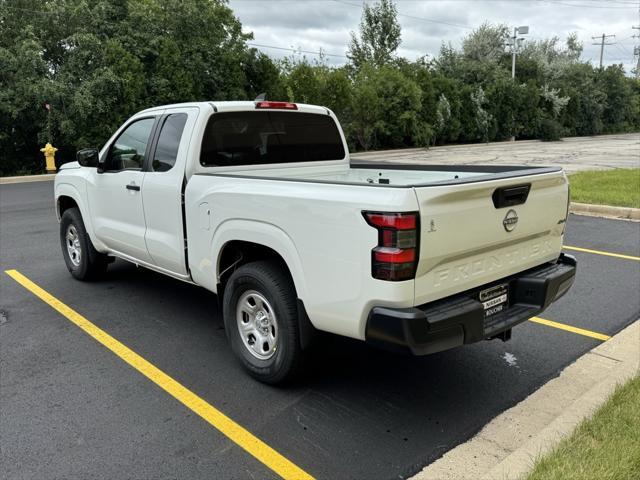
[{"x": 133, "y": 187}]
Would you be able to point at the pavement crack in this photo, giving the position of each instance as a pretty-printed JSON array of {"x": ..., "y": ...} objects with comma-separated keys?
[{"x": 605, "y": 356}]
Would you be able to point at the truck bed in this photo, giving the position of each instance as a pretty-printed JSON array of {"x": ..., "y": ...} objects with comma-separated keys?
[
  {"x": 391, "y": 174},
  {"x": 465, "y": 241}
]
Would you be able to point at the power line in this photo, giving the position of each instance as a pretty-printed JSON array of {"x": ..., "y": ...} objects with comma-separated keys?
[
  {"x": 429, "y": 20},
  {"x": 626, "y": 38},
  {"x": 320, "y": 52},
  {"x": 607, "y": 7},
  {"x": 297, "y": 50},
  {"x": 622, "y": 2},
  {"x": 620, "y": 48}
]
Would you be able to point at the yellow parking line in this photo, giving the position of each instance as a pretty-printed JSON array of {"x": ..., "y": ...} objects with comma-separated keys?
[
  {"x": 600, "y": 252},
  {"x": 235, "y": 432},
  {"x": 569, "y": 328}
]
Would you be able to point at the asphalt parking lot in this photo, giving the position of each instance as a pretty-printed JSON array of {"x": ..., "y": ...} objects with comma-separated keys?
[
  {"x": 70, "y": 408},
  {"x": 573, "y": 154}
]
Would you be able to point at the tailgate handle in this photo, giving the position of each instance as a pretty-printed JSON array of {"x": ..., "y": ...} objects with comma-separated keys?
[{"x": 510, "y": 196}]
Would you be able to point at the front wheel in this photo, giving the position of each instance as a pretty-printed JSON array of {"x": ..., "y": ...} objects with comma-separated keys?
[
  {"x": 261, "y": 321},
  {"x": 83, "y": 261}
]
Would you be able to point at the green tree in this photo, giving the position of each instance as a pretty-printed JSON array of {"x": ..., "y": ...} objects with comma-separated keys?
[
  {"x": 485, "y": 44},
  {"x": 527, "y": 108},
  {"x": 617, "y": 114},
  {"x": 319, "y": 84},
  {"x": 583, "y": 113},
  {"x": 482, "y": 117},
  {"x": 452, "y": 89},
  {"x": 552, "y": 105},
  {"x": 550, "y": 58},
  {"x": 449, "y": 61},
  {"x": 443, "y": 114},
  {"x": 23, "y": 91},
  {"x": 386, "y": 109},
  {"x": 379, "y": 35},
  {"x": 99, "y": 61},
  {"x": 263, "y": 76}
]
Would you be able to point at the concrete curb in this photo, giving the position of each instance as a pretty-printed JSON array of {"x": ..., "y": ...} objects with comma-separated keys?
[
  {"x": 624, "y": 213},
  {"x": 28, "y": 178},
  {"x": 507, "y": 447}
]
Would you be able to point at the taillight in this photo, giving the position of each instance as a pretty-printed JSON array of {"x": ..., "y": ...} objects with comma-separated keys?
[
  {"x": 277, "y": 105},
  {"x": 396, "y": 256}
]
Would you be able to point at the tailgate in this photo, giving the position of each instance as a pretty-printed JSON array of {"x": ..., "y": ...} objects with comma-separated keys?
[{"x": 476, "y": 233}]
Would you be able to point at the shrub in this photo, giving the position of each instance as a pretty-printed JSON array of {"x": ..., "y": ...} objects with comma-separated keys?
[{"x": 549, "y": 130}]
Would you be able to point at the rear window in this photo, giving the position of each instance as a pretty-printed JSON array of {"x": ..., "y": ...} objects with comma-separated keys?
[{"x": 262, "y": 137}]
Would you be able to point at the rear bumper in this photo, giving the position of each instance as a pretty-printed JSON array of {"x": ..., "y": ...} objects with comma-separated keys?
[{"x": 460, "y": 319}]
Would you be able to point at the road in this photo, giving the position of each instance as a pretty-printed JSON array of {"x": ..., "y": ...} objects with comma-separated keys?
[
  {"x": 573, "y": 154},
  {"x": 70, "y": 408}
]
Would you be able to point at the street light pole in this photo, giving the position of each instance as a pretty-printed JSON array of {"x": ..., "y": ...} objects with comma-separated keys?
[
  {"x": 523, "y": 30},
  {"x": 513, "y": 52},
  {"x": 514, "y": 42}
]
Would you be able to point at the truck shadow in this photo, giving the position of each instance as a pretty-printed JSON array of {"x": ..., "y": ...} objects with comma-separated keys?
[{"x": 334, "y": 358}]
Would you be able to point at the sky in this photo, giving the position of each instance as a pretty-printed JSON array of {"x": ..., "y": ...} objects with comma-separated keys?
[{"x": 325, "y": 25}]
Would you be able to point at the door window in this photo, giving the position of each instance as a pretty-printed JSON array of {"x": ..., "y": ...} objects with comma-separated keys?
[
  {"x": 166, "y": 152},
  {"x": 129, "y": 149}
]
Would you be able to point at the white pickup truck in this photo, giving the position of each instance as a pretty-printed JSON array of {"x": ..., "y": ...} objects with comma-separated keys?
[{"x": 259, "y": 203}]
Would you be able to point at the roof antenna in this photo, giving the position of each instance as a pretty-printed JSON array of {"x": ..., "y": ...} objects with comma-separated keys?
[{"x": 261, "y": 98}]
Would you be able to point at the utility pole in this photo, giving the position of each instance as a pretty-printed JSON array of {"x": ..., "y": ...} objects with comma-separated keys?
[
  {"x": 602, "y": 43},
  {"x": 636, "y": 50}
]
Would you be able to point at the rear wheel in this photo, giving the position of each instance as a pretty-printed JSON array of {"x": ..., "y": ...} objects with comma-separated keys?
[
  {"x": 83, "y": 261},
  {"x": 261, "y": 321}
]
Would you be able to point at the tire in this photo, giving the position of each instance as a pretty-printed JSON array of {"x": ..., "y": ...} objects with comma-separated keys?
[
  {"x": 83, "y": 261},
  {"x": 275, "y": 355}
]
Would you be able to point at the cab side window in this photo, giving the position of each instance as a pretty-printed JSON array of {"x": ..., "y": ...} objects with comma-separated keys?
[
  {"x": 129, "y": 149},
  {"x": 164, "y": 157}
]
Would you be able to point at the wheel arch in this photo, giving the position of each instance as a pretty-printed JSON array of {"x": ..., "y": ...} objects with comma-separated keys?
[
  {"x": 68, "y": 196},
  {"x": 64, "y": 203},
  {"x": 259, "y": 242},
  {"x": 240, "y": 252},
  {"x": 255, "y": 240},
  {"x": 236, "y": 253}
]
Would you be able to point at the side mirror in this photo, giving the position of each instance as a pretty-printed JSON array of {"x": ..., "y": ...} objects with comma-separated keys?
[
  {"x": 87, "y": 157},
  {"x": 101, "y": 163}
]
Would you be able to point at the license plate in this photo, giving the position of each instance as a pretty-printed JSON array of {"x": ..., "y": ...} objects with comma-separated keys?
[{"x": 494, "y": 299}]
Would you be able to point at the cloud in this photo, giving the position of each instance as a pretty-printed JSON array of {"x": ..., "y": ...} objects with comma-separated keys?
[{"x": 325, "y": 24}]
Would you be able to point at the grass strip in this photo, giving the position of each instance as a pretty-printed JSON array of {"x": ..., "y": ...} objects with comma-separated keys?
[
  {"x": 604, "y": 447},
  {"x": 618, "y": 188}
]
